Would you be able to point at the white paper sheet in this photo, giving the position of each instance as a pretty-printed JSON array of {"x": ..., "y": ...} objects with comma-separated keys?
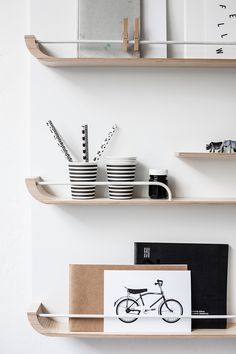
[
  {"x": 176, "y": 286},
  {"x": 153, "y": 27},
  {"x": 195, "y": 27},
  {"x": 175, "y": 27}
]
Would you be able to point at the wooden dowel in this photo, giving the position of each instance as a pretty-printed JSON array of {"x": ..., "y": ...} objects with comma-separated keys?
[
  {"x": 136, "y": 34},
  {"x": 125, "y": 34}
]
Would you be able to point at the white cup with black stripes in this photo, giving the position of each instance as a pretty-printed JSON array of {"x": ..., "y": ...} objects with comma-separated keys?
[
  {"x": 120, "y": 169},
  {"x": 82, "y": 172}
]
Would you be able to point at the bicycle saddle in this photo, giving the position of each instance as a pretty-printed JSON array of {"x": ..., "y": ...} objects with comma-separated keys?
[{"x": 136, "y": 291}]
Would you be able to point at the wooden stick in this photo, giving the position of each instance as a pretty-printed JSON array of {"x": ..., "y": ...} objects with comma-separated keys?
[
  {"x": 136, "y": 33},
  {"x": 125, "y": 34}
]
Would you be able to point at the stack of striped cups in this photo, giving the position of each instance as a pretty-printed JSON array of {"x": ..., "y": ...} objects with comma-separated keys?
[
  {"x": 121, "y": 169},
  {"x": 82, "y": 172}
]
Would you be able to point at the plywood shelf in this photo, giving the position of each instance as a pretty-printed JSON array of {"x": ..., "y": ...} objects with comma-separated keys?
[
  {"x": 206, "y": 155},
  {"x": 53, "y": 328},
  {"x": 39, "y": 193},
  {"x": 39, "y": 53}
]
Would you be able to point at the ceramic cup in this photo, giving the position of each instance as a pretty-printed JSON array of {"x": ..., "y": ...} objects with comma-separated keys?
[
  {"x": 82, "y": 172},
  {"x": 120, "y": 169}
]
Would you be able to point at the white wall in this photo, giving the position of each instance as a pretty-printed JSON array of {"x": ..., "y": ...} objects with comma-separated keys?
[
  {"x": 16, "y": 336},
  {"x": 159, "y": 111}
]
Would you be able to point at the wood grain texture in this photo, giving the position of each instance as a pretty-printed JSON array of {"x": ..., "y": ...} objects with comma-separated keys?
[
  {"x": 136, "y": 34},
  {"x": 40, "y": 53},
  {"x": 40, "y": 194},
  {"x": 125, "y": 35},
  {"x": 205, "y": 155},
  {"x": 52, "y": 328}
]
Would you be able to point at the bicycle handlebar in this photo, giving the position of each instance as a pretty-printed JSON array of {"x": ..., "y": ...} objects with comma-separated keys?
[{"x": 159, "y": 282}]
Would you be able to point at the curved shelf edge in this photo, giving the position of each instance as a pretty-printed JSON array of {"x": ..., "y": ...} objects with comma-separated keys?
[
  {"x": 38, "y": 192},
  {"x": 37, "y": 51},
  {"x": 45, "y": 326},
  {"x": 50, "y": 327}
]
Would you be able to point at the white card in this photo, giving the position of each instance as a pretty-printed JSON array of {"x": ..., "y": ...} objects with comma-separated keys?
[
  {"x": 176, "y": 27},
  {"x": 151, "y": 293},
  {"x": 153, "y": 28},
  {"x": 194, "y": 28}
]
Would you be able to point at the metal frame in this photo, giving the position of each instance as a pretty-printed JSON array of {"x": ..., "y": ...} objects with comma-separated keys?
[
  {"x": 138, "y": 183},
  {"x": 145, "y": 42}
]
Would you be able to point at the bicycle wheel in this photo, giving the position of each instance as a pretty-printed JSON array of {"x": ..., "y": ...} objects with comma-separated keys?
[
  {"x": 171, "y": 307},
  {"x": 127, "y": 306}
]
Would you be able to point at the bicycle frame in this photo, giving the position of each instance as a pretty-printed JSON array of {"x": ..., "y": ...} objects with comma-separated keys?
[
  {"x": 162, "y": 297},
  {"x": 136, "y": 305},
  {"x": 140, "y": 299}
]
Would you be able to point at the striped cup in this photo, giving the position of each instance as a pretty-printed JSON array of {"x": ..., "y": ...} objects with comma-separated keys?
[
  {"x": 121, "y": 169},
  {"x": 82, "y": 172}
]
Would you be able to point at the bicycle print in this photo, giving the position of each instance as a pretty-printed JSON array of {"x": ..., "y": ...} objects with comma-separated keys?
[
  {"x": 147, "y": 301},
  {"x": 170, "y": 309}
]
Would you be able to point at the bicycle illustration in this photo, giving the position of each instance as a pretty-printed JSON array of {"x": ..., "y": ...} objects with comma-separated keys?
[{"x": 136, "y": 305}]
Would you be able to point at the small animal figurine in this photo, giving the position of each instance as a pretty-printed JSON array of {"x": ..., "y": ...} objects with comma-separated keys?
[
  {"x": 230, "y": 145},
  {"x": 215, "y": 146}
]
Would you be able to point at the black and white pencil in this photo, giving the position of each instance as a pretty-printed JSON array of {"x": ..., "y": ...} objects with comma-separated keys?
[
  {"x": 105, "y": 143},
  {"x": 85, "y": 150},
  {"x": 59, "y": 141}
]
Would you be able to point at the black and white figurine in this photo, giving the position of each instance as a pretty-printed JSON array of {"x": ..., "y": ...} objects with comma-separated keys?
[
  {"x": 229, "y": 145},
  {"x": 215, "y": 146}
]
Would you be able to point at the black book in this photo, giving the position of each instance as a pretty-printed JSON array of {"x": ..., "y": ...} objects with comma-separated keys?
[{"x": 208, "y": 264}]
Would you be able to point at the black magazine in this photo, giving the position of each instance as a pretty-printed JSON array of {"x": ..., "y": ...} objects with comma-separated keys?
[{"x": 208, "y": 264}]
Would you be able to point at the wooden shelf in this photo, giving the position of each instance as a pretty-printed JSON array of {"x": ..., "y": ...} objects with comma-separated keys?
[
  {"x": 39, "y": 193},
  {"x": 53, "y": 328},
  {"x": 207, "y": 155},
  {"x": 40, "y": 53}
]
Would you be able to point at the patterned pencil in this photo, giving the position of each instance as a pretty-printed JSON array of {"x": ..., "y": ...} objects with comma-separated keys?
[
  {"x": 85, "y": 143},
  {"x": 59, "y": 141},
  {"x": 105, "y": 143}
]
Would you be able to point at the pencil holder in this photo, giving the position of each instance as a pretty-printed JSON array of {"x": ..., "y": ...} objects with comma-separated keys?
[
  {"x": 82, "y": 172},
  {"x": 121, "y": 169}
]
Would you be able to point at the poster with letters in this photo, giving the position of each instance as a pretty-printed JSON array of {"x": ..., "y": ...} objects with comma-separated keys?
[
  {"x": 220, "y": 17},
  {"x": 210, "y": 21}
]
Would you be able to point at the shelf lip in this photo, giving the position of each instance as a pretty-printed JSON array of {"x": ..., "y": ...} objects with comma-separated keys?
[
  {"x": 215, "y": 155},
  {"x": 39, "y": 53},
  {"x": 102, "y": 316},
  {"x": 50, "y": 327},
  {"x": 39, "y": 193}
]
